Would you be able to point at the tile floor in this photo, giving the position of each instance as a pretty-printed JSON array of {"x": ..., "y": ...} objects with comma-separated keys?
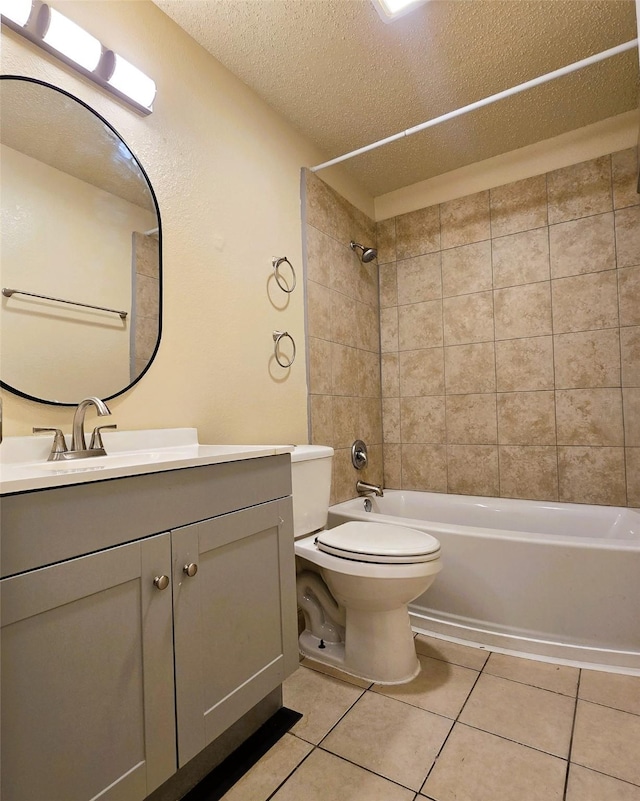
[{"x": 473, "y": 726}]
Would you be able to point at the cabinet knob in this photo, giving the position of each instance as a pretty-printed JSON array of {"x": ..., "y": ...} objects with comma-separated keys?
[
  {"x": 161, "y": 582},
  {"x": 191, "y": 569}
]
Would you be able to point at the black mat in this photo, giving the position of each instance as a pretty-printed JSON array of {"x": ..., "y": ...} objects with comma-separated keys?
[{"x": 221, "y": 779}]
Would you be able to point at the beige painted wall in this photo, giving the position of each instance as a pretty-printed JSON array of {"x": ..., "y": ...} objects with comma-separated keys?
[
  {"x": 51, "y": 223},
  {"x": 226, "y": 172}
]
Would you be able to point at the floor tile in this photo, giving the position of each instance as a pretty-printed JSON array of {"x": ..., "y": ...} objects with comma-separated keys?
[
  {"x": 389, "y": 737},
  {"x": 557, "y": 678},
  {"x": 587, "y": 785},
  {"x": 528, "y": 715},
  {"x": 322, "y": 700},
  {"x": 328, "y": 670},
  {"x": 440, "y": 687},
  {"x": 611, "y": 689},
  {"x": 607, "y": 741},
  {"x": 478, "y": 766},
  {"x": 270, "y": 771},
  {"x": 324, "y": 777},
  {"x": 453, "y": 652}
]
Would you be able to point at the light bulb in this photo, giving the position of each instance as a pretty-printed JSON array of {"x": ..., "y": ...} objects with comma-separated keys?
[
  {"x": 132, "y": 82},
  {"x": 17, "y": 11},
  {"x": 72, "y": 41}
]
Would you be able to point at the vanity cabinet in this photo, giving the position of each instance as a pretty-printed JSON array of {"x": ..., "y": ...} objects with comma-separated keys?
[{"x": 122, "y": 664}]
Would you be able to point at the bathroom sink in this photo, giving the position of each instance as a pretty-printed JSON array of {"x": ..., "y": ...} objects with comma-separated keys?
[{"x": 24, "y": 465}]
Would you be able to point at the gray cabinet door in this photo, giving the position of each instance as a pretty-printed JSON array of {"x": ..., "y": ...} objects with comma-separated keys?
[
  {"x": 87, "y": 677},
  {"x": 235, "y": 619}
]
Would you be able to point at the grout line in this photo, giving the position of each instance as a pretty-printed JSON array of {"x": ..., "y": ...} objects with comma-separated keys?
[{"x": 573, "y": 729}]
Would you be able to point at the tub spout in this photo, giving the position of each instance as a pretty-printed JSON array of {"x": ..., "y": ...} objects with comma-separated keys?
[
  {"x": 324, "y": 617},
  {"x": 363, "y": 488}
]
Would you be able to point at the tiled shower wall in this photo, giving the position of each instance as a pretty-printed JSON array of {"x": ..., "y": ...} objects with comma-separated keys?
[
  {"x": 342, "y": 335},
  {"x": 510, "y": 331}
]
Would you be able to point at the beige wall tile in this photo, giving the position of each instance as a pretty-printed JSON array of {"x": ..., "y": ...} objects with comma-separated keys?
[
  {"x": 466, "y": 269},
  {"x": 523, "y": 311},
  {"x": 521, "y": 713},
  {"x": 631, "y": 406},
  {"x": 369, "y": 421},
  {"x": 633, "y": 475},
  {"x": 580, "y": 190},
  {"x": 478, "y": 766},
  {"x": 587, "y": 359},
  {"x": 367, "y": 324},
  {"x": 592, "y": 475},
  {"x": 519, "y": 206},
  {"x": 628, "y": 236},
  {"x": 601, "y": 741},
  {"x": 529, "y": 472},
  {"x": 386, "y": 240},
  {"x": 424, "y": 467},
  {"x": 343, "y": 476},
  {"x": 367, "y": 284},
  {"x": 470, "y": 369},
  {"x": 368, "y": 374},
  {"x": 419, "y": 279},
  {"x": 393, "y": 466},
  {"x": 373, "y": 472},
  {"x": 319, "y": 255},
  {"x": 422, "y": 419},
  {"x": 586, "y": 245},
  {"x": 629, "y": 289},
  {"x": 390, "y": 375},
  {"x": 323, "y": 207},
  {"x": 473, "y": 470},
  {"x": 319, "y": 302},
  {"x": 344, "y": 269},
  {"x": 319, "y": 366},
  {"x": 524, "y": 364},
  {"x": 585, "y": 302},
  {"x": 589, "y": 417},
  {"x": 344, "y": 370},
  {"x": 388, "y": 285},
  {"x": 344, "y": 328},
  {"x": 468, "y": 318},
  {"x": 391, "y": 420},
  {"x": 418, "y": 232},
  {"x": 321, "y": 419},
  {"x": 345, "y": 421},
  {"x": 389, "y": 329},
  {"x": 589, "y": 785},
  {"x": 422, "y": 372},
  {"x": 630, "y": 353},
  {"x": 465, "y": 220},
  {"x": 526, "y": 418},
  {"x": 521, "y": 258},
  {"x": 420, "y": 325},
  {"x": 624, "y": 167},
  {"x": 471, "y": 419}
]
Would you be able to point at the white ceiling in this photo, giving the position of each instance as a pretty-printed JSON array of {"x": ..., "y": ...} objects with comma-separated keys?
[{"x": 345, "y": 79}]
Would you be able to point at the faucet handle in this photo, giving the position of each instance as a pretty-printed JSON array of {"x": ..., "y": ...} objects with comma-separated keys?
[
  {"x": 59, "y": 447},
  {"x": 96, "y": 438}
]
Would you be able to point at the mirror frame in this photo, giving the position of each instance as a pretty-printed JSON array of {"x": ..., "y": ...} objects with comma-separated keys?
[{"x": 14, "y": 390}]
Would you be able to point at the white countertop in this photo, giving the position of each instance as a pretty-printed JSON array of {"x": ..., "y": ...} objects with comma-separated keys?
[{"x": 24, "y": 465}]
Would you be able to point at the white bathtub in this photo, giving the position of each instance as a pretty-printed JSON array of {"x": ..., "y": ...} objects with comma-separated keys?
[{"x": 556, "y": 580}]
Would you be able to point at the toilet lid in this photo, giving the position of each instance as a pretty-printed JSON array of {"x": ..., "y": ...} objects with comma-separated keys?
[{"x": 379, "y": 542}]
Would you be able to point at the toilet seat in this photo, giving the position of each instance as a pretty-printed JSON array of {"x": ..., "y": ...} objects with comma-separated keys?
[{"x": 381, "y": 543}]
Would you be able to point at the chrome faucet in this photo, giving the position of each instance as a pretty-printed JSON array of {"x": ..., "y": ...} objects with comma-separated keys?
[
  {"x": 78, "y": 442},
  {"x": 363, "y": 488}
]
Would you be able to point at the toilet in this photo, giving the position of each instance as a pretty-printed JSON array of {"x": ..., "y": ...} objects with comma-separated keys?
[{"x": 355, "y": 581}]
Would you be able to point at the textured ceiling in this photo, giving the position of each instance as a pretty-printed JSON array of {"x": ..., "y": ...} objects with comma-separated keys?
[{"x": 345, "y": 79}]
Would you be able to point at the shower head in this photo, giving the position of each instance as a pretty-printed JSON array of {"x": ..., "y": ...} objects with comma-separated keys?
[{"x": 368, "y": 254}]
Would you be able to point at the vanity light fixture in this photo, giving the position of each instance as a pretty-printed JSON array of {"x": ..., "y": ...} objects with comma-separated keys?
[
  {"x": 392, "y": 9},
  {"x": 62, "y": 37}
]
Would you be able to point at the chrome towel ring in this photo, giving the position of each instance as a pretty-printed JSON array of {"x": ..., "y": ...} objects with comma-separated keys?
[
  {"x": 277, "y": 336},
  {"x": 279, "y": 279}
]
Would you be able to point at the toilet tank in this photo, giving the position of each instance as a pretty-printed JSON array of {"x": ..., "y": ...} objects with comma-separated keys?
[{"x": 311, "y": 487}]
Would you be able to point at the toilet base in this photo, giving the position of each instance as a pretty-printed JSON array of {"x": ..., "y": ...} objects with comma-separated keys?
[{"x": 334, "y": 655}]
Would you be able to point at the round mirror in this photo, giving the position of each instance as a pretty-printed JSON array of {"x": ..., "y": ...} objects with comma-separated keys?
[{"x": 81, "y": 251}]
